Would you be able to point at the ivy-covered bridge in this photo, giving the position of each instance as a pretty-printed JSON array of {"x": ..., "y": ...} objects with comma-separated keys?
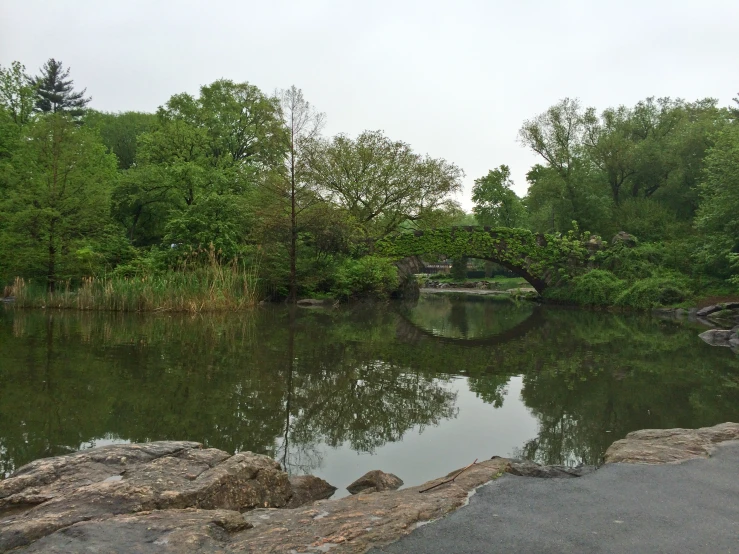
[{"x": 540, "y": 259}]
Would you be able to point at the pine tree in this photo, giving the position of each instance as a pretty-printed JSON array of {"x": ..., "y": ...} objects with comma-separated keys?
[{"x": 55, "y": 92}]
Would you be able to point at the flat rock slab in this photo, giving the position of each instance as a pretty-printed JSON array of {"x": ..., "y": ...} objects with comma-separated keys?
[
  {"x": 55, "y": 493},
  {"x": 688, "y": 507},
  {"x": 661, "y": 446}
]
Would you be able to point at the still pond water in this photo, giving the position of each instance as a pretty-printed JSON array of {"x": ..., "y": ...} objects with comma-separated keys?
[{"x": 414, "y": 389}]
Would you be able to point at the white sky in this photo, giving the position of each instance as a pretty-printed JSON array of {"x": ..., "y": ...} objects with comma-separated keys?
[{"x": 453, "y": 79}]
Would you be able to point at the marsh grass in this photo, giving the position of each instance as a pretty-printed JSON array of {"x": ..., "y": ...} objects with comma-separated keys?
[{"x": 194, "y": 288}]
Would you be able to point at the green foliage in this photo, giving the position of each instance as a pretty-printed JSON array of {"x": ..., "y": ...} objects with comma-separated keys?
[
  {"x": 458, "y": 271},
  {"x": 17, "y": 95},
  {"x": 55, "y": 93},
  {"x": 194, "y": 288},
  {"x": 381, "y": 183},
  {"x": 58, "y": 199},
  {"x": 595, "y": 288},
  {"x": 370, "y": 276},
  {"x": 120, "y": 132},
  {"x": 220, "y": 221},
  {"x": 659, "y": 290},
  {"x": 538, "y": 258},
  {"x": 495, "y": 202},
  {"x": 718, "y": 219}
]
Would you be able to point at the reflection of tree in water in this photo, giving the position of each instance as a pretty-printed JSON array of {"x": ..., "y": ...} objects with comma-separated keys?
[
  {"x": 285, "y": 383},
  {"x": 280, "y": 385},
  {"x": 458, "y": 318}
]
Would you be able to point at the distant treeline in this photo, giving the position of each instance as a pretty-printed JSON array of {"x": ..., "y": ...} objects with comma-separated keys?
[{"x": 237, "y": 179}]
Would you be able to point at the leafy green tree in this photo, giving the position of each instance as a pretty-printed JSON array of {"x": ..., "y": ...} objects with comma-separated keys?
[
  {"x": 495, "y": 202},
  {"x": 222, "y": 143},
  {"x": 55, "y": 93},
  {"x": 120, "y": 132},
  {"x": 17, "y": 95},
  {"x": 717, "y": 218},
  {"x": 381, "y": 183},
  {"x": 573, "y": 187},
  {"x": 58, "y": 198}
]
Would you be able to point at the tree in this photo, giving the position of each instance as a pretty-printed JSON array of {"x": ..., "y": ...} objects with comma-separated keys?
[
  {"x": 381, "y": 183},
  {"x": 717, "y": 219},
  {"x": 221, "y": 143},
  {"x": 55, "y": 92},
  {"x": 557, "y": 135},
  {"x": 495, "y": 202},
  {"x": 58, "y": 198},
  {"x": 303, "y": 124},
  {"x": 120, "y": 132},
  {"x": 17, "y": 95}
]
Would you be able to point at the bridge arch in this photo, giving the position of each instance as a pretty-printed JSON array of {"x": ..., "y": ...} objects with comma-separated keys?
[{"x": 540, "y": 259}]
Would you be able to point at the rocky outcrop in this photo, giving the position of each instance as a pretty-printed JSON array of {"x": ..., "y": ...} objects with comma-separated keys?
[
  {"x": 662, "y": 446},
  {"x": 56, "y": 493},
  {"x": 149, "y": 517},
  {"x": 375, "y": 481}
]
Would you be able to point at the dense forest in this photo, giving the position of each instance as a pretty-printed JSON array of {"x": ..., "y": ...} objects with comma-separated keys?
[{"x": 220, "y": 199}]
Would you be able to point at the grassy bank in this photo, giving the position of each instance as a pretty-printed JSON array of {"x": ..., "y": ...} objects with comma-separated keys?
[{"x": 230, "y": 287}]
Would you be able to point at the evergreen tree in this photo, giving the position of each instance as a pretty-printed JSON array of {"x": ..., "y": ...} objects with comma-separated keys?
[{"x": 55, "y": 92}]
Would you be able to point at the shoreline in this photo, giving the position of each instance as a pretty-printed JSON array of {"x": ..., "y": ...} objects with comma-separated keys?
[{"x": 144, "y": 496}]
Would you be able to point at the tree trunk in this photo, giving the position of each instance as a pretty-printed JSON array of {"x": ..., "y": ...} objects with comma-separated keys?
[
  {"x": 293, "y": 295},
  {"x": 51, "y": 266}
]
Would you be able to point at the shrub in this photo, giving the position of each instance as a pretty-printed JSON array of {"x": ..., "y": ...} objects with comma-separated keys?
[
  {"x": 367, "y": 277},
  {"x": 595, "y": 288},
  {"x": 659, "y": 290}
]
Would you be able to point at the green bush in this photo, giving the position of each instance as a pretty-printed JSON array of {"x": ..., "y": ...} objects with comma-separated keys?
[
  {"x": 367, "y": 277},
  {"x": 659, "y": 290},
  {"x": 595, "y": 288}
]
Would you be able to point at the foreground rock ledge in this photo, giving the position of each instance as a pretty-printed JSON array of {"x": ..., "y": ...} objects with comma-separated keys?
[
  {"x": 179, "y": 497},
  {"x": 663, "y": 446}
]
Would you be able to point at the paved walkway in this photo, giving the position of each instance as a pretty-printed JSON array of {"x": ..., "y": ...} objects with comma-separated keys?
[{"x": 692, "y": 507}]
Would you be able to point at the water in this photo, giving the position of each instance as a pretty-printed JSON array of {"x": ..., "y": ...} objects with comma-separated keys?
[{"x": 414, "y": 389}]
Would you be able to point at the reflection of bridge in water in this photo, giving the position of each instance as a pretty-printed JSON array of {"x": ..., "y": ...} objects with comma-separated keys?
[{"x": 409, "y": 332}]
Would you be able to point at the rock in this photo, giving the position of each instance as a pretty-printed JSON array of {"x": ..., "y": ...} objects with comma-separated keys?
[
  {"x": 188, "y": 530},
  {"x": 717, "y": 337},
  {"x": 307, "y": 489},
  {"x": 708, "y": 310},
  {"x": 661, "y": 446},
  {"x": 313, "y": 302},
  {"x": 375, "y": 481},
  {"x": 624, "y": 238},
  {"x": 734, "y": 342},
  {"x": 55, "y": 493},
  {"x": 348, "y": 525},
  {"x": 525, "y": 468}
]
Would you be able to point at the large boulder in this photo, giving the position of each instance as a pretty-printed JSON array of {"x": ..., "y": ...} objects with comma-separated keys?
[
  {"x": 56, "y": 493},
  {"x": 718, "y": 337},
  {"x": 307, "y": 489},
  {"x": 661, "y": 446},
  {"x": 375, "y": 481}
]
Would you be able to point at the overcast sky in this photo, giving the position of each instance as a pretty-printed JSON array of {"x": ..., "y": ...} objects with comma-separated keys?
[{"x": 455, "y": 79}]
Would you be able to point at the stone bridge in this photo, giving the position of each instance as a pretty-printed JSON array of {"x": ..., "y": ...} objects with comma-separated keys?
[{"x": 540, "y": 259}]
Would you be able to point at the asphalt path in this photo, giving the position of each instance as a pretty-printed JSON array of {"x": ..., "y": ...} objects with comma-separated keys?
[{"x": 692, "y": 507}]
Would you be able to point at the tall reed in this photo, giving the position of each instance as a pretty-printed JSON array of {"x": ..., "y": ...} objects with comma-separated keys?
[{"x": 194, "y": 288}]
